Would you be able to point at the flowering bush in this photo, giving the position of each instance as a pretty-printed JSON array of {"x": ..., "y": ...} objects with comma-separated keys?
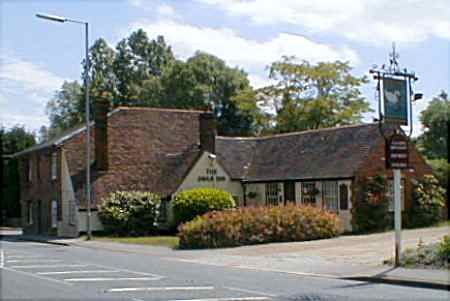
[
  {"x": 190, "y": 203},
  {"x": 130, "y": 212},
  {"x": 428, "y": 202},
  {"x": 252, "y": 225}
]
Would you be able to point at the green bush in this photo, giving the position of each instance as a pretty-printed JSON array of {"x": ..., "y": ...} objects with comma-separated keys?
[
  {"x": 130, "y": 213},
  {"x": 190, "y": 203},
  {"x": 444, "y": 249},
  {"x": 371, "y": 211},
  {"x": 428, "y": 202},
  {"x": 253, "y": 225}
]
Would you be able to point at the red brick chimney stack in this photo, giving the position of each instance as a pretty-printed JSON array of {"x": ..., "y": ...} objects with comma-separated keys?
[
  {"x": 101, "y": 134},
  {"x": 208, "y": 132}
]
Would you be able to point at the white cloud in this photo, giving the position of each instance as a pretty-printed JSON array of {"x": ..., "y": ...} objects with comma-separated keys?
[
  {"x": 25, "y": 89},
  {"x": 373, "y": 21},
  {"x": 252, "y": 55}
]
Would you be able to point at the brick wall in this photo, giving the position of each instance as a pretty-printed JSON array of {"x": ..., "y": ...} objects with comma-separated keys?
[
  {"x": 39, "y": 192},
  {"x": 136, "y": 136},
  {"x": 375, "y": 165}
]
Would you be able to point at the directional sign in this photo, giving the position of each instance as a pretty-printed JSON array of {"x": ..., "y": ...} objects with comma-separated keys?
[{"x": 397, "y": 154}]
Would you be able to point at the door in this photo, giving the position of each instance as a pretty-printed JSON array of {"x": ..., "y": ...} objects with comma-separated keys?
[
  {"x": 289, "y": 192},
  {"x": 39, "y": 217}
]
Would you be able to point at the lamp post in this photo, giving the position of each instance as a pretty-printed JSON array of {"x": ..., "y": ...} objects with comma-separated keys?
[{"x": 86, "y": 97}]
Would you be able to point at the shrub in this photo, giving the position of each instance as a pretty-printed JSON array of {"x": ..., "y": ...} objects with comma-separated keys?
[
  {"x": 371, "y": 211},
  {"x": 130, "y": 212},
  {"x": 190, "y": 203},
  {"x": 444, "y": 249},
  {"x": 253, "y": 225},
  {"x": 428, "y": 202}
]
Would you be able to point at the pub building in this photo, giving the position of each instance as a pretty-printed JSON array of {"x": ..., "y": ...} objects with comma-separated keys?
[{"x": 167, "y": 150}]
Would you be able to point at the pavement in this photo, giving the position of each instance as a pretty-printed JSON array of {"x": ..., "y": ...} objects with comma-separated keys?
[
  {"x": 352, "y": 257},
  {"x": 108, "y": 271}
]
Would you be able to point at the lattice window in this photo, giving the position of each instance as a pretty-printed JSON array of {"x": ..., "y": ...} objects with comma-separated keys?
[
  {"x": 272, "y": 190},
  {"x": 309, "y": 192},
  {"x": 330, "y": 195}
]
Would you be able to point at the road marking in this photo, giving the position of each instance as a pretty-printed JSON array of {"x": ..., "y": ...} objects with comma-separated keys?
[
  {"x": 35, "y": 276},
  {"x": 40, "y": 266},
  {"x": 24, "y": 256},
  {"x": 226, "y": 299},
  {"x": 110, "y": 279},
  {"x": 169, "y": 288},
  {"x": 243, "y": 290},
  {"x": 2, "y": 258},
  {"x": 129, "y": 271},
  {"x": 78, "y": 272},
  {"x": 32, "y": 260}
]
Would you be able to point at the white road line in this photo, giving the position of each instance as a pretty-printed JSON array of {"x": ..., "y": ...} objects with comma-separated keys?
[
  {"x": 24, "y": 256},
  {"x": 41, "y": 266},
  {"x": 35, "y": 276},
  {"x": 32, "y": 260},
  {"x": 226, "y": 299},
  {"x": 2, "y": 258},
  {"x": 78, "y": 272},
  {"x": 243, "y": 290},
  {"x": 129, "y": 271},
  {"x": 169, "y": 288},
  {"x": 110, "y": 279}
]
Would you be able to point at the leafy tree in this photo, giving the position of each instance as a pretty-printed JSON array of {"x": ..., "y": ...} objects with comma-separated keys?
[
  {"x": 13, "y": 140},
  {"x": 435, "y": 119},
  {"x": 307, "y": 96},
  {"x": 65, "y": 109}
]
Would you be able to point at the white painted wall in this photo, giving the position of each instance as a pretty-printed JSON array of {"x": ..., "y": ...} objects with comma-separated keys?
[
  {"x": 193, "y": 179},
  {"x": 65, "y": 228},
  {"x": 96, "y": 225}
]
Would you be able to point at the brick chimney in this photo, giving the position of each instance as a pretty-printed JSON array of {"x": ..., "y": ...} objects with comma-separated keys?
[
  {"x": 101, "y": 134},
  {"x": 208, "y": 132}
]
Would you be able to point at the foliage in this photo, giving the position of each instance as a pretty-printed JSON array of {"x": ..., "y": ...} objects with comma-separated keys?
[
  {"x": 253, "y": 225},
  {"x": 13, "y": 140},
  {"x": 441, "y": 170},
  {"x": 190, "y": 203},
  {"x": 307, "y": 96},
  {"x": 370, "y": 212},
  {"x": 434, "y": 255},
  {"x": 130, "y": 212},
  {"x": 435, "y": 119},
  {"x": 165, "y": 241},
  {"x": 428, "y": 202},
  {"x": 65, "y": 109}
]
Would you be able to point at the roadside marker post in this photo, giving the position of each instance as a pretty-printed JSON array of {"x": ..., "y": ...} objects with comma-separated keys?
[{"x": 395, "y": 95}]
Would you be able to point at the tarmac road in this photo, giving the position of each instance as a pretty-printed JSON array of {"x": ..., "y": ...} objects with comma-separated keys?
[{"x": 35, "y": 271}]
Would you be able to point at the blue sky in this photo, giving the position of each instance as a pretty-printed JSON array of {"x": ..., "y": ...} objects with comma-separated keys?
[{"x": 36, "y": 56}]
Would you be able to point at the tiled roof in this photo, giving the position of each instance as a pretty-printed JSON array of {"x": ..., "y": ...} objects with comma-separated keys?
[{"x": 324, "y": 153}]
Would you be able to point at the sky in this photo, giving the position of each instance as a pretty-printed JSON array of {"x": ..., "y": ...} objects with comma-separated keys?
[{"x": 37, "y": 56}]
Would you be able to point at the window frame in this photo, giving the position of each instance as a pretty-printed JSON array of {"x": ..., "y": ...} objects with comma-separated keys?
[
  {"x": 330, "y": 190},
  {"x": 347, "y": 197},
  {"x": 54, "y": 165},
  {"x": 272, "y": 194},
  {"x": 29, "y": 213},
  {"x": 306, "y": 197}
]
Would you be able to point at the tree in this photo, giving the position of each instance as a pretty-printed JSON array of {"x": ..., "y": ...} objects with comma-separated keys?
[
  {"x": 66, "y": 108},
  {"x": 307, "y": 96},
  {"x": 435, "y": 120},
  {"x": 13, "y": 140},
  {"x": 139, "y": 60}
]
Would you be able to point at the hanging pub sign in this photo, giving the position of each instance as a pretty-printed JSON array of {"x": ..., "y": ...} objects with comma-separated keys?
[
  {"x": 397, "y": 155},
  {"x": 395, "y": 95}
]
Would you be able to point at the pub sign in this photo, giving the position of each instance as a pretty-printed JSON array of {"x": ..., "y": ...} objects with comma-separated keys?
[
  {"x": 395, "y": 101},
  {"x": 397, "y": 154}
]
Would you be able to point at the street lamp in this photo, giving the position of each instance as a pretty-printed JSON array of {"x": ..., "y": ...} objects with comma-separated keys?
[{"x": 86, "y": 96}]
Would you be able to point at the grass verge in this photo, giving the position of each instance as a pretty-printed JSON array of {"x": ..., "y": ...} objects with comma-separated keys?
[{"x": 164, "y": 241}]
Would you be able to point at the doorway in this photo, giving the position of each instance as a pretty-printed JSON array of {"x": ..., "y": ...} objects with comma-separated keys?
[{"x": 289, "y": 192}]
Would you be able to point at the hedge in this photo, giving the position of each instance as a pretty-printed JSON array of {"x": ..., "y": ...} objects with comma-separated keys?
[
  {"x": 130, "y": 213},
  {"x": 253, "y": 225},
  {"x": 190, "y": 203}
]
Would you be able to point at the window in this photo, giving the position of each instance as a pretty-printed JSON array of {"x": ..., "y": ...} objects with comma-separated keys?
[
  {"x": 30, "y": 170},
  {"x": 272, "y": 194},
  {"x": 54, "y": 166},
  {"x": 343, "y": 197},
  {"x": 38, "y": 168},
  {"x": 72, "y": 212},
  {"x": 54, "y": 213},
  {"x": 330, "y": 195},
  {"x": 30, "y": 213},
  {"x": 164, "y": 210},
  {"x": 309, "y": 192},
  {"x": 390, "y": 194}
]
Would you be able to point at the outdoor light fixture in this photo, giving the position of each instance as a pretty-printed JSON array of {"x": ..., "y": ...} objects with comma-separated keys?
[
  {"x": 417, "y": 96},
  {"x": 86, "y": 96}
]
